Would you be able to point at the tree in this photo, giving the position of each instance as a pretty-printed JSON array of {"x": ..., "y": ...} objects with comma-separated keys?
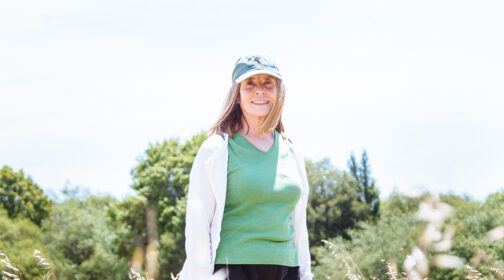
[
  {"x": 398, "y": 230},
  {"x": 334, "y": 206},
  {"x": 18, "y": 239},
  {"x": 21, "y": 197},
  {"x": 80, "y": 239},
  {"x": 368, "y": 192},
  {"x": 397, "y": 204},
  {"x": 390, "y": 238},
  {"x": 128, "y": 219},
  {"x": 161, "y": 179}
]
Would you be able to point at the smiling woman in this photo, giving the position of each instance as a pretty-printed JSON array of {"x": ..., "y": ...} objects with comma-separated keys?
[
  {"x": 248, "y": 189},
  {"x": 254, "y": 78},
  {"x": 257, "y": 96}
]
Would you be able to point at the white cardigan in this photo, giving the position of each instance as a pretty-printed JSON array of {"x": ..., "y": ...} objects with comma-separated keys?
[{"x": 205, "y": 208}]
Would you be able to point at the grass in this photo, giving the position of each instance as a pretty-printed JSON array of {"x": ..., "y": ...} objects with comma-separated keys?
[
  {"x": 433, "y": 239},
  {"x": 416, "y": 266},
  {"x": 10, "y": 272}
]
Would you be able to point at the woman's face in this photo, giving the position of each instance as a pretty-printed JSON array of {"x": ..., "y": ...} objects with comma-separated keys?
[{"x": 257, "y": 96}]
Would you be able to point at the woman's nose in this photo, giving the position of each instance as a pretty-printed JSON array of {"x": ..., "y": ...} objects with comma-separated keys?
[{"x": 260, "y": 90}]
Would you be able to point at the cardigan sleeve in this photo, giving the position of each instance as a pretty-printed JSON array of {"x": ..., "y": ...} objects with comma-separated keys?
[
  {"x": 301, "y": 230},
  {"x": 199, "y": 214}
]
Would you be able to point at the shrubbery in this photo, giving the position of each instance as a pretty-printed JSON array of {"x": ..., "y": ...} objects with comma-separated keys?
[{"x": 89, "y": 237}]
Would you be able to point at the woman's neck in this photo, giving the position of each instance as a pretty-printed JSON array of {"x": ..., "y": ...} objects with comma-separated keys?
[
  {"x": 262, "y": 142},
  {"x": 250, "y": 128}
]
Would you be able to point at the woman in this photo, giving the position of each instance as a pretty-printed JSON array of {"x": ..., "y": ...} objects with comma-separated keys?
[{"x": 248, "y": 190}]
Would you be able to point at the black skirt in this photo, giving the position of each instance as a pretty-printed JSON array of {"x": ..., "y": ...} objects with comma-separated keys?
[{"x": 259, "y": 272}]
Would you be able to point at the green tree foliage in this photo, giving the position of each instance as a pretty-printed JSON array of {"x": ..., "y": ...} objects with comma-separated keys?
[
  {"x": 89, "y": 237},
  {"x": 368, "y": 192},
  {"x": 128, "y": 218},
  {"x": 21, "y": 197},
  {"x": 80, "y": 240},
  {"x": 472, "y": 221},
  {"x": 395, "y": 233},
  {"x": 19, "y": 238},
  {"x": 398, "y": 204},
  {"x": 161, "y": 179},
  {"x": 334, "y": 205},
  {"x": 390, "y": 238}
]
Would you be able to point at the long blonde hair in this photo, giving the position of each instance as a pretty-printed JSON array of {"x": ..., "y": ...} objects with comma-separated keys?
[{"x": 231, "y": 119}]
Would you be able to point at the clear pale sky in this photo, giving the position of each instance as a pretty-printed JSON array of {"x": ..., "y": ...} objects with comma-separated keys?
[{"x": 85, "y": 86}]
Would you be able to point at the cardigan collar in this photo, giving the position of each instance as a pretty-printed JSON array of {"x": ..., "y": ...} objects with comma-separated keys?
[{"x": 216, "y": 169}]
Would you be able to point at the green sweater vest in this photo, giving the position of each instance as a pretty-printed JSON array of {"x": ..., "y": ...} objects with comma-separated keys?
[{"x": 262, "y": 190}]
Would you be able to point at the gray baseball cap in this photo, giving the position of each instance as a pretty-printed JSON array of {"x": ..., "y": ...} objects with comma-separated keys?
[{"x": 248, "y": 66}]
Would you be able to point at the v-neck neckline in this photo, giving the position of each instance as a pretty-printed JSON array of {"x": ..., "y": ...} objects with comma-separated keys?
[{"x": 275, "y": 141}]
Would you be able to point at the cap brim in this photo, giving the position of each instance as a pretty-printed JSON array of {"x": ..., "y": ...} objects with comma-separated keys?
[{"x": 249, "y": 74}]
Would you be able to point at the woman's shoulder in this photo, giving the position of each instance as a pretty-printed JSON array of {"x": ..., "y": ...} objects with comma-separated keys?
[
  {"x": 213, "y": 142},
  {"x": 294, "y": 146}
]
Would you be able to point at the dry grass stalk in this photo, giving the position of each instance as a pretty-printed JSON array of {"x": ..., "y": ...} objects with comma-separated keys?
[
  {"x": 497, "y": 272},
  {"x": 432, "y": 210},
  {"x": 350, "y": 275},
  {"x": 477, "y": 258},
  {"x": 446, "y": 243},
  {"x": 392, "y": 270},
  {"x": 481, "y": 256},
  {"x": 496, "y": 234},
  {"x": 416, "y": 265},
  {"x": 133, "y": 275},
  {"x": 4, "y": 261},
  {"x": 447, "y": 261},
  {"x": 473, "y": 274},
  {"x": 43, "y": 264},
  {"x": 342, "y": 254},
  {"x": 435, "y": 213}
]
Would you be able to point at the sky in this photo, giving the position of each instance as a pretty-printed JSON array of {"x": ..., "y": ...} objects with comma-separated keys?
[{"x": 86, "y": 86}]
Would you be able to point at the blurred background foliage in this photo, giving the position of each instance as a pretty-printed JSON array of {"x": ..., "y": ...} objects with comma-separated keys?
[{"x": 84, "y": 236}]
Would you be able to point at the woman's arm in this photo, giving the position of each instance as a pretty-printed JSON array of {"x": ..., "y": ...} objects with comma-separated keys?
[
  {"x": 199, "y": 215},
  {"x": 301, "y": 230}
]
